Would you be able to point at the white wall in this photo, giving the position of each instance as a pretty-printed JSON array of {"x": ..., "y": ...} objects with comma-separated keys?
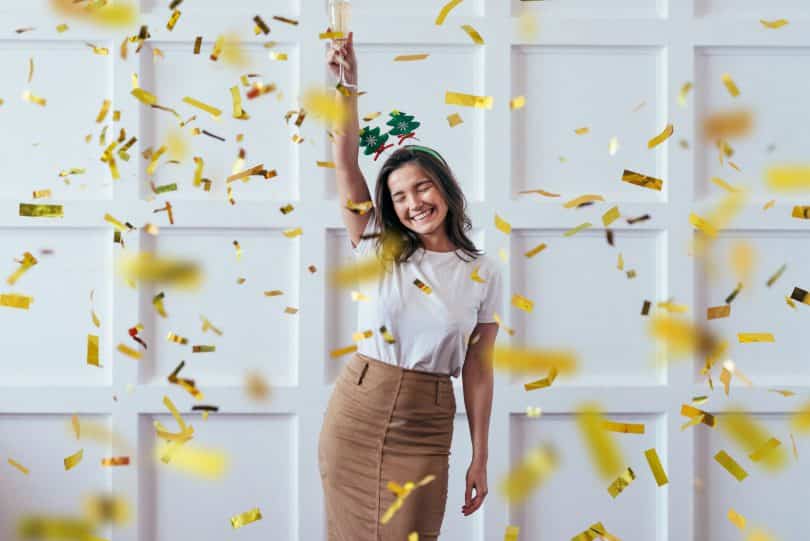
[{"x": 592, "y": 63}]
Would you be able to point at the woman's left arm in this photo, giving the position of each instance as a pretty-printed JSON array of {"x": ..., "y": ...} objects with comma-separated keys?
[{"x": 477, "y": 380}]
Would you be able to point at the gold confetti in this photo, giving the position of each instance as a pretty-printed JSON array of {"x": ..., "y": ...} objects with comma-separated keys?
[
  {"x": 754, "y": 439},
  {"x": 778, "y": 23},
  {"x": 331, "y": 35},
  {"x": 256, "y": 387},
  {"x": 445, "y": 11},
  {"x": 764, "y": 450},
  {"x": 281, "y": 57},
  {"x": 542, "y": 383},
  {"x": 27, "y": 262},
  {"x": 335, "y": 353},
  {"x": 610, "y": 216},
  {"x": 74, "y": 420},
  {"x": 129, "y": 352},
  {"x": 101, "y": 51},
  {"x": 604, "y": 452},
  {"x": 31, "y": 98},
  {"x": 737, "y": 520},
  {"x": 73, "y": 459},
  {"x": 92, "y": 350},
  {"x": 577, "y": 229},
  {"x": 121, "y": 14},
  {"x": 533, "y": 361},
  {"x": 242, "y": 519},
  {"x": 502, "y": 225},
  {"x": 323, "y": 105},
  {"x": 422, "y": 286},
  {"x": 521, "y": 302},
  {"x": 656, "y": 467},
  {"x": 727, "y": 124},
  {"x": 13, "y": 300},
  {"x": 211, "y": 110},
  {"x": 582, "y": 131},
  {"x": 613, "y": 146},
  {"x": 143, "y": 96},
  {"x": 731, "y": 86},
  {"x": 661, "y": 137},
  {"x": 786, "y": 179},
  {"x": 203, "y": 349},
  {"x": 644, "y": 181},
  {"x": 454, "y": 120},
  {"x": 402, "y": 493},
  {"x": 468, "y": 100},
  {"x": 473, "y": 33},
  {"x": 750, "y": 337},
  {"x": 731, "y": 465},
  {"x": 582, "y": 200},
  {"x": 624, "y": 428},
  {"x": 621, "y": 482},
  {"x": 62, "y": 28},
  {"x": 286, "y": 20},
  {"x": 683, "y": 93},
  {"x": 115, "y": 461},
  {"x": 411, "y": 57},
  {"x": 511, "y": 533},
  {"x": 527, "y": 476},
  {"x": 147, "y": 267},
  {"x": 518, "y": 102},
  {"x": 536, "y": 250},
  {"x": 19, "y": 466}
]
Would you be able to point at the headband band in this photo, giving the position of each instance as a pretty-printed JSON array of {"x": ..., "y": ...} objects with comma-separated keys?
[{"x": 427, "y": 150}]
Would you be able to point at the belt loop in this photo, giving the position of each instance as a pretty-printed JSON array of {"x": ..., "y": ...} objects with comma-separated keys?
[
  {"x": 362, "y": 373},
  {"x": 437, "y": 392}
]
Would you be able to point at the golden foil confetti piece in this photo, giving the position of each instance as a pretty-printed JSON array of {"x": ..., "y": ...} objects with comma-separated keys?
[
  {"x": 30, "y": 69},
  {"x": 473, "y": 33},
  {"x": 411, "y": 57},
  {"x": 502, "y": 225},
  {"x": 693, "y": 413},
  {"x": 536, "y": 250},
  {"x": 582, "y": 200},
  {"x": 656, "y": 467},
  {"x": 256, "y": 387},
  {"x": 731, "y": 465},
  {"x": 475, "y": 277},
  {"x": 19, "y": 466},
  {"x": 387, "y": 336},
  {"x": 800, "y": 421},
  {"x": 360, "y": 208},
  {"x": 27, "y": 262},
  {"x": 582, "y": 131},
  {"x": 242, "y": 519},
  {"x": 778, "y": 23},
  {"x": 535, "y": 468},
  {"x": 610, "y": 216},
  {"x": 285, "y": 20},
  {"x": 92, "y": 350},
  {"x": 621, "y": 482},
  {"x": 244, "y": 175},
  {"x": 292, "y": 233},
  {"x": 454, "y": 120},
  {"x": 362, "y": 335},
  {"x": 725, "y": 185},
  {"x": 74, "y": 421},
  {"x": 143, "y": 96},
  {"x": 683, "y": 93},
  {"x": 203, "y": 349},
  {"x": 518, "y": 102},
  {"x": 55, "y": 528},
  {"x": 72, "y": 460},
  {"x": 604, "y": 452},
  {"x": 207, "y": 464},
  {"x": 147, "y": 267},
  {"x": 521, "y": 302},
  {"x": 644, "y": 181},
  {"x": 577, "y": 229},
  {"x": 14, "y": 300},
  {"x": 661, "y": 137},
  {"x": 61, "y": 28},
  {"x": 31, "y": 98},
  {"x": 175, "y": 16},
  {"x": 422, "y": 286},
  {"x": 106, "y": 508},
  {"x": 717, "y": 312},
  {"x": 371, "y": 116},
  {"x": 115, "y": 461},
  {"x": 750, "y": 337},
  {"x": 731, "y": 86},
  {"x": 736, "y": 519},
  {"x": 210, "y": 109},
  {"x": 801, "y": 212},
  {"x": 445, "y": 11},
  {"x": 340, "y": 352},
  {"x": 543, "y": 382},
  {"x": 290, "y": 310},
  {"x": 723, "y": 125},
  {"x": 197, "y": 44},
  {"x": 327, "y": 165},
  {"x": 624, "y": 428},
  {"x": 751, "y": 436},
  {"x": 273, "y": 293},
  {"x": 324, "y": 106},
  {"x": 468, "y": 100},
  {"x": 118, "y": 15},
  {"x": 533, "y": 412},
  {"x": 42, "y": 194},
  {"x": 331, "y": 35},
  {"x": 788, "y": 178},
  {"x": 280, "y": 57},
  {"x": 402, "y": 492},
  {"x": 764, "y": 450},
  {"x": 171, "y": 337},
  {"x": 101, "y": 51},
  {"x": 157, "y": 302},
  {"x": 129, "y": 352},
  {"x": 186, "y": 431},
  {"x": 533, "y": 361},
  {"x": 613, "y": 146},
  {"x": 778, "y": 274},
  {"x": 262, "y": 26}
]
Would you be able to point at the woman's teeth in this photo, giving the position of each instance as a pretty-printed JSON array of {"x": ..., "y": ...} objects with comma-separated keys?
[{"x": 423, "y": 216}]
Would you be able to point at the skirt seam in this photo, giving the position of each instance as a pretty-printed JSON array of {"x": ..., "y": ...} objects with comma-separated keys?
[{"x": 380, "y": 459}]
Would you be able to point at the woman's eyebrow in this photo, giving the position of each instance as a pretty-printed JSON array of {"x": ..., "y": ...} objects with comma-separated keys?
[{"x": 417, "y": 184}]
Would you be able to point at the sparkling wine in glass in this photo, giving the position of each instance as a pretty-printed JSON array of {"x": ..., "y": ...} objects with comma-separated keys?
[{"x": 340, "y": 16}]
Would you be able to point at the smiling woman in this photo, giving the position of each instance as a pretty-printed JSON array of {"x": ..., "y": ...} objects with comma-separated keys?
[{"x": 390, "y": 417}]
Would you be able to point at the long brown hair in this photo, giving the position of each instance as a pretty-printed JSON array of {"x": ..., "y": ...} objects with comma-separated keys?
[{"x": 396, "y": 242}]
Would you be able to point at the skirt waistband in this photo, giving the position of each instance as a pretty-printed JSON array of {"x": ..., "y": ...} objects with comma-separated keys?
[{"x": 358, "y": 362}]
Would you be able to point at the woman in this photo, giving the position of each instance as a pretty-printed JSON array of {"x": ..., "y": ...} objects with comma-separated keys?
[{"x": 390, "y": 417}]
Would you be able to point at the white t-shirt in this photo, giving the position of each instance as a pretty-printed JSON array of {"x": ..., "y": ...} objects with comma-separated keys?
[{"x": 431, "y": 331}]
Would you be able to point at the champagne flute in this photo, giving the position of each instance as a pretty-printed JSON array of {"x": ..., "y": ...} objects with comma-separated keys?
[{"x": 340, "y": 14}]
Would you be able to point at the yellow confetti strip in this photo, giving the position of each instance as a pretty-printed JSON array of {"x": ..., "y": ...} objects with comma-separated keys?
[
  {"x": 521, "y": 302},
  {"x": 533, "y": 361},
  {"x": 175, "y": 16},
  {"x": 445, "y": 11},
  {"x": 750, "y": 337},
  {"x": 604, "y": 452},
  {"x": 129, "y": 352},
  {"x": 577, "y": 229},
  {"x": 624, "y": 428},
  {"x": 72, "y": 460},
  {"x": 527, "y": 476},
  {"x": 656, "y": 467},
  {"x": 610, "y": 216},
  {"x": 778, "y": 23},
  {"x": 121, "y": 14},
  {"x": 536, "y": 250},
  {"x": 74, "y": 421},
  {"x": 411, "y": 57},
  {"x": 331, "y": 35},
  {"x": 454, "y": 120},
  {"x": 473, "y": 33},
  {"x": 502, "y": 225},
  {"x": 582, "y": 131},
  {"x": 583, "y": 199},
  {"x": 788, "y": 179},
  {"x": 518, "y": 102},
  {"x": 14, "y": 300},
  {"x": 468, "y": 100},
  {"x": 543, "y": 382},
  {"x": 801, "y": 212},
  {"x": 210, "y": 109},
  {"x": 621, "y": 482},
  {"x": 731, "y": 86},
  {"x": 731, "y": 465},
  {"x": 242, "y": 519},
  {"x": 280, "y": 57},
  {"x": 755, "y": 439},
  {"x": 210, "y": 465},
  {"x": 19, "y": 466},
  {"x": 402, "y": 492},
  {"x": 92, "y": 350},
  {"x": 143, "y": 96},
  {"x": 736, "y": 519},
  {"x": 644, "y": 181},
  {"x": 661, "y": 137},
  {"x": 683, "y": 93},
  {"x": 764, "y": 450},
  {"x": 727, "y": 124},
  {"x": 147, "y": 267},
  {"x": 55, "y": 528},
  {"x": 511, "y": 533},
  {"x": 27, "y": 262},
  {"x": 323, "y": 105},
  {"x": 37, "y": 100}
]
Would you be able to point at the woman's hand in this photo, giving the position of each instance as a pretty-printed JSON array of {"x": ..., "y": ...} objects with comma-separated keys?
[
  {"x": 476, "y": 478},
  {"x": 341, "y": 52}
]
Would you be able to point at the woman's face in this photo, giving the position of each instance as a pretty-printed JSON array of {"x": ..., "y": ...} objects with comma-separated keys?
[{"x": 417, "y": 200}]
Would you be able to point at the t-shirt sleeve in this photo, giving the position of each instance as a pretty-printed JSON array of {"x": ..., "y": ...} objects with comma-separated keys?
[
  {"x": 493, "y": 297},
  {"x": 366, "y": 243}
]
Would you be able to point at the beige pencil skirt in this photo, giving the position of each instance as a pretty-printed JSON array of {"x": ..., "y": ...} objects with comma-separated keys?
[{"x": 385, "y": 423}]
